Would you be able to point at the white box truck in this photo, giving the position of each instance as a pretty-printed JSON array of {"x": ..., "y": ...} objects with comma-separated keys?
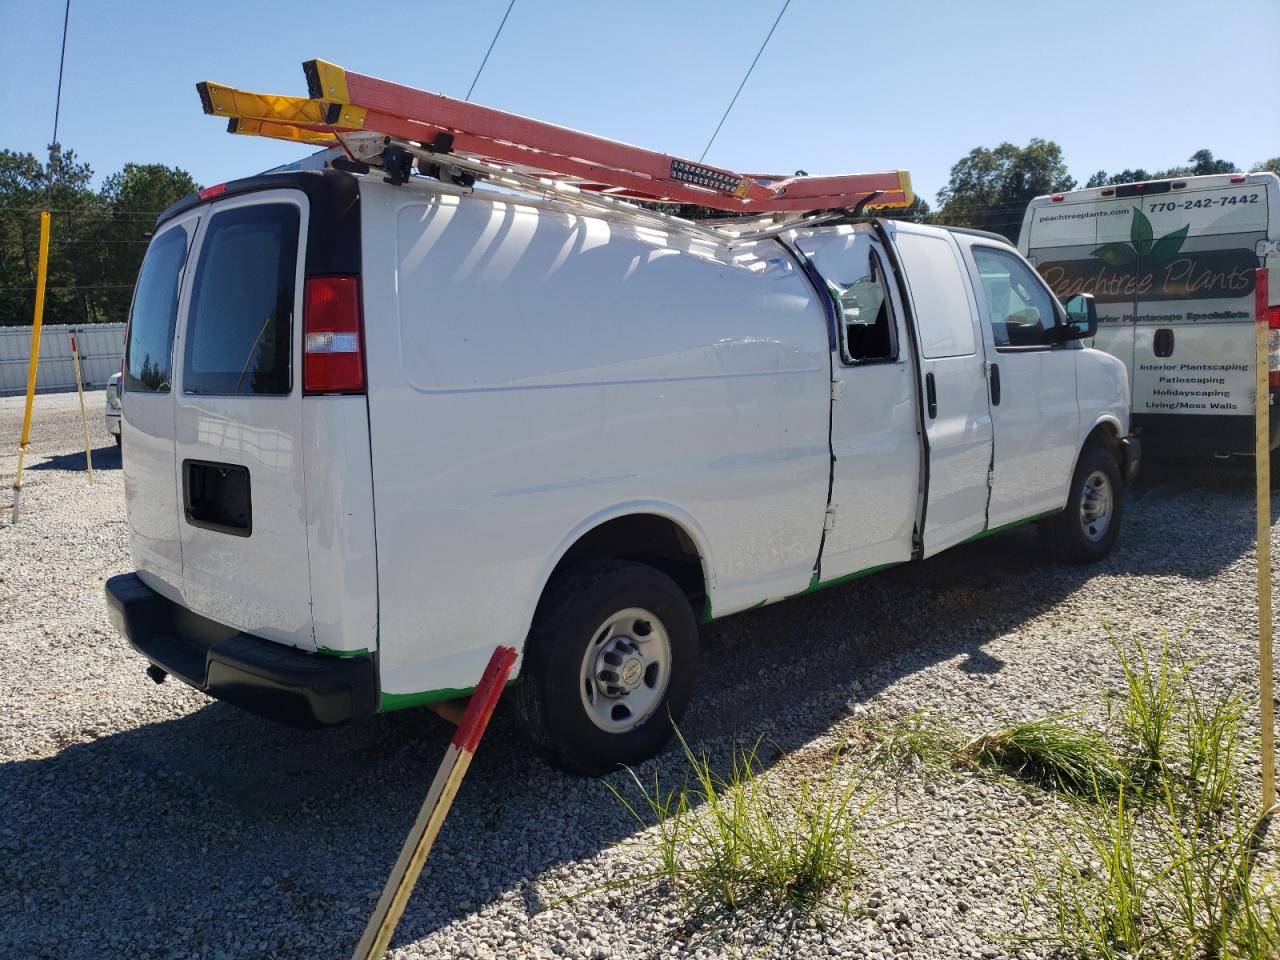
[
  {"x": 377, "y": 429},
  {"x": 1171, "y": 265}
]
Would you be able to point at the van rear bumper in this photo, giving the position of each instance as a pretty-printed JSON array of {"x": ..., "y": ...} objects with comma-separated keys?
[{"x": 282, "y": 683}]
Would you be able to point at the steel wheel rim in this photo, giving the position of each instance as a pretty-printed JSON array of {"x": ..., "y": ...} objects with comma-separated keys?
[
  {"x": 1096, "y": 503},
  {"x": 625, "y": 671}
]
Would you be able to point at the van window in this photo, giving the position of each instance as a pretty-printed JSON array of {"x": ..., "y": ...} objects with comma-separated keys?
[
  {"x": 939, "y": 295},
  {"x": 149, "y": 353},
  {"x": 1018, "y": 306},
  {"x": 866, "y": 320},
  {"x": 239, "y": 327}
]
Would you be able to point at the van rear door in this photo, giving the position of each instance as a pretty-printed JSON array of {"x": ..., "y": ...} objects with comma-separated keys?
[
  {"x": 147, "y": 408},
  {"x": 238, "y": 419},
  {"x": 1194, "y": 346}
]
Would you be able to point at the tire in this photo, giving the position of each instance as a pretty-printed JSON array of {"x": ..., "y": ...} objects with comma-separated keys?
[
  {"x": 1079, "y": 534},
  {"x": 624, "y": 612}
]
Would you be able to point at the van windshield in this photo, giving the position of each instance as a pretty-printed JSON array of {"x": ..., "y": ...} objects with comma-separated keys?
[{"x": 239, "y": 327}]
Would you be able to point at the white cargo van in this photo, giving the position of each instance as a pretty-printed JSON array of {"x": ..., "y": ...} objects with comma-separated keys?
[
  {"x": 1171, "y": 264},
  {"x": 376, "y": 430}
]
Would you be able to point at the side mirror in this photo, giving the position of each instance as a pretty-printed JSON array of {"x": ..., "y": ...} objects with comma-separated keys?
[{"x": 1082, "y": 317}]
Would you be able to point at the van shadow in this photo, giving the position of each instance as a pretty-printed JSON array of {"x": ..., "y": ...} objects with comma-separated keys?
[
  {"x": 104, "y": 458},
  {"x": 1172, "y": 505},
  {"x": 231, "y": 833}
]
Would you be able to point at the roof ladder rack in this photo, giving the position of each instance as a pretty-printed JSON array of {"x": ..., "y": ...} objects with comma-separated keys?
[{"x": 461, "y": 142}]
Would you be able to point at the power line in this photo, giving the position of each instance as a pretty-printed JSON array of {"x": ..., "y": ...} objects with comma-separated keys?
[
  {"x": 786, "y": 4},
  {"x": 62, "y": 59},
  {"x": 476, "y": 78}
]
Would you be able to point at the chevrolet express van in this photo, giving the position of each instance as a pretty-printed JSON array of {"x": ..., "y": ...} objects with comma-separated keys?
[
  {"x": 376, "y": 430},
  {"x": 1171, "y": 265}
]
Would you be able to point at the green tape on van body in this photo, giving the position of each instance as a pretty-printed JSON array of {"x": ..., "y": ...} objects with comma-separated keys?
[{"x": 403, "y": 701}]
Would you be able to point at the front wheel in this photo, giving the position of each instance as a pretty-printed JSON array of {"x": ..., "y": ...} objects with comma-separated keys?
[
  {"x": 1086, "y": 529},
  {"x": 609, "y": 666}
]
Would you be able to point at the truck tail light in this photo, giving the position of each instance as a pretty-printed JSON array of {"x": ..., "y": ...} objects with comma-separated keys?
[{"x": 332, "y": 336}]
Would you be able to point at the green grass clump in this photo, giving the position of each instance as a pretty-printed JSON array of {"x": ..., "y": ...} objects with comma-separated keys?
[
  {"x": 1049, "y": 751},
  {"x": 1098, "y": 890},
  {"x": 915, "y": 741},
  {"x": 1164, "y": 866},
  {"x": 738, "y": 839},
  {"x": 1154, "y": 687}
]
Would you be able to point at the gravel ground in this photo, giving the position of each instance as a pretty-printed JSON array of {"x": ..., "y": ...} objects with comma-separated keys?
[{"x": 146, "y": 821}]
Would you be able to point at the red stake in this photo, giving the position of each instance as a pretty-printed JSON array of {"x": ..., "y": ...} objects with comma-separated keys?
[{"x": 417, "y": 845}]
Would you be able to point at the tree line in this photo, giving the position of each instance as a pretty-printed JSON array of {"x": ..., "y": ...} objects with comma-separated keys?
[
  {"x": 99, "y": 236},
  {"x": 97, "y": 240}
]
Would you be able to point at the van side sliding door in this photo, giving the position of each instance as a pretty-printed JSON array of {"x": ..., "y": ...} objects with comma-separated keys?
[
  {"x": 875, "y": 444},
  {"x": 957, "y": 415}
]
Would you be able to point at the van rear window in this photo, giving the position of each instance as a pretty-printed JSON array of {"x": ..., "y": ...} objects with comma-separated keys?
[
  {"x": 149, "y": 354},
  {"x": 239, "y": 327}
]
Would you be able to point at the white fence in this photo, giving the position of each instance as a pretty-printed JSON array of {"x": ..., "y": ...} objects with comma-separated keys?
[{"x": 101, "y": 345}]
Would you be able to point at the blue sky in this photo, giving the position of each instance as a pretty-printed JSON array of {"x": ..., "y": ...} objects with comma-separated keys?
[{"x": 843, "y": 87}]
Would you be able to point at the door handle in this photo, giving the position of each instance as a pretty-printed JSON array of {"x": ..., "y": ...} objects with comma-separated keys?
[
  {"x": 1164, "y": 343},
  {"x": 995, "y": 384},
  {"x": 931, "y": 395}
]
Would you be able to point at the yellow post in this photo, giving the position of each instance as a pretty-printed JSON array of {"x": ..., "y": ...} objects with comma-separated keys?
[
  {"x": 42, "y": 274},
  {"x": 84, "y": 419},
  {"x": 1262, "y": 454}
]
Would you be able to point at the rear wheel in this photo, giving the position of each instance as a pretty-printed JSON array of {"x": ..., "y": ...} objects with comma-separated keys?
[
  {"x": 609, "y": 666},
  {"x": 1087, "y": 528}
]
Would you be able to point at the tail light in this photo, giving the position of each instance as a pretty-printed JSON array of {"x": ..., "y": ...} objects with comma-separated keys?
[{"x": 332, "y": 336}]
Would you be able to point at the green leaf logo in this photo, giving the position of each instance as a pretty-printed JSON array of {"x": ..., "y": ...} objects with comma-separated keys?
[
  {"x": 1167, "y": 247},
  {"x": 1140, "y": 232},
  {"x": 1142, "y": 244},
  {"x": 1116, "y": 254}
]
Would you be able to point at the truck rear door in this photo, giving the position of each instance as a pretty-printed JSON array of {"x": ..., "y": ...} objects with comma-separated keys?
[
  {"x": 957, "y": 414},
  {"x": 238, "y": 449}
]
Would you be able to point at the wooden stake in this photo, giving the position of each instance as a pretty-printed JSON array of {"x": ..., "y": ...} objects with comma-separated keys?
[
  {"x": 1262, "y": 454},
  {"x": 417, "y": 845},
  {"x": 84, "y": 419},
  {"x": 42, "y": 274}
]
